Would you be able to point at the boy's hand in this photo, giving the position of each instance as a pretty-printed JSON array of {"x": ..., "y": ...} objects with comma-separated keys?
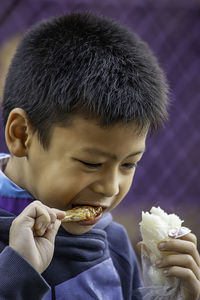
[
  {"x": 32, "y": 234},
  {"x": 185, "y": 264}
]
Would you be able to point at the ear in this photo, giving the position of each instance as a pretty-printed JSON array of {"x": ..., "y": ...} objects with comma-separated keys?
[{"x": 18, "y": 132}]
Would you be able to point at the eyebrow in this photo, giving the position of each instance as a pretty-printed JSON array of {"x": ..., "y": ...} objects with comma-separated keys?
[{"x": 110, "y": 155}]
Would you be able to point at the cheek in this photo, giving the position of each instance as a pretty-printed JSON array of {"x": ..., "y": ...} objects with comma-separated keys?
[
  {"x": 58, "y": 191},
  {"x": 124, "y": 188},
  {"x": 126, "y": 183}
]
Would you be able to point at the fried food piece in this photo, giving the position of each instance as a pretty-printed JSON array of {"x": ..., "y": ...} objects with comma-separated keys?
[{"x": 82, "y": 213}]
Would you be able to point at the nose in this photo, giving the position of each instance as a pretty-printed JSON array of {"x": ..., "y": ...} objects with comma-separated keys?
[{"x": 108, "y": 185}]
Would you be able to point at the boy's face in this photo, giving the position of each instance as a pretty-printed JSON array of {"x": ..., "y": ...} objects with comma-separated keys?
[{"x": 84, "y": 165}]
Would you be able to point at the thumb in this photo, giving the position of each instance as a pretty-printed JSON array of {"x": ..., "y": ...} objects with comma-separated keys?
[
  {"x": 139, "y": 247},
  {"x": 52, "y": 231}
]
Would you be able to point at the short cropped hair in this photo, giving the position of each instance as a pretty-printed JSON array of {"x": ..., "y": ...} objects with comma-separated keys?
[{"x": 85, "y": 63}]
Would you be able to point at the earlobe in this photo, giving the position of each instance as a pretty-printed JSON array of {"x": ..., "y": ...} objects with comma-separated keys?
[{"x": 18, "y": 132}]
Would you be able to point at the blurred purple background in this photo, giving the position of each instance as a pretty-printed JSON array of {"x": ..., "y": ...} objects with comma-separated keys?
[{"x": 169, "y": 174}]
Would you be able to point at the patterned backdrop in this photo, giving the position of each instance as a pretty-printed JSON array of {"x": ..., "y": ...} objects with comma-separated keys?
[{"x": 170, "y": 171}]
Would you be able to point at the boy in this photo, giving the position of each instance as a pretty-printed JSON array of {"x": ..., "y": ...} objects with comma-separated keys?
[{"x": 81, "y": 95}]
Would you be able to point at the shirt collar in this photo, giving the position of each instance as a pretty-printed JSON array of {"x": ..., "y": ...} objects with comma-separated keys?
[{"x": 7, "y": 187}]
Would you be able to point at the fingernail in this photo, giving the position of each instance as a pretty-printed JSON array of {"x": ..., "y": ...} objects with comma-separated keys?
[
  {"x": 162, "y": 245},
  {"x": 165, "y": 271}
]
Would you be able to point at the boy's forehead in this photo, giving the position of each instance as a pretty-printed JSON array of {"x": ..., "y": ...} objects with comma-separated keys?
[
  {"x": 90, "y": 129},
  {"x": 88, "y": 137},
  {"x": 98, "y": 152}
]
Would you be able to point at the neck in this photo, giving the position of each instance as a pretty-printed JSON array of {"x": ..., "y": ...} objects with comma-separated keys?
[{"x": 15, "y": 170}]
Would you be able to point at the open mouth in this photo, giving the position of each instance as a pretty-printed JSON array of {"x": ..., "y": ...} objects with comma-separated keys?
[{"x": 84, "y": 215}]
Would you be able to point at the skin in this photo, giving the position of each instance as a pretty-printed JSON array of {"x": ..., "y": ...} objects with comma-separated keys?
[
  {"x": 84, "y": 164},
  {"x": 184, "y": 265},
  {"x": 32, "y": 234}
]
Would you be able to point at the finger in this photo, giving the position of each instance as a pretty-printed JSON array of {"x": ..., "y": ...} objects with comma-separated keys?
[
  {"x": 52, "y": 231},
  {"x": 180, "y": 260},
  {"x": 181, "y": 246},
  {"x": 53, "y": 212},
  {"x": 60, "y": 214},
  {"x": 141, "y": 248},
  {"x": 54, "y": 215},
  {"x": 29, "y": 215},
  {"x": 138, "y": 247},
  {"x": 38, "y": 217},
  {"x": 42, "y": 222},
  {"x": 189, "y": 237},
  {"x": 186, "y": 276},
  {"x": 41, "y": 215}
]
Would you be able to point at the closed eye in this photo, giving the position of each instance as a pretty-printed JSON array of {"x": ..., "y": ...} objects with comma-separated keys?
[
  {"x": 130, "y": 165},
  {"x": 90, "y": 165}
]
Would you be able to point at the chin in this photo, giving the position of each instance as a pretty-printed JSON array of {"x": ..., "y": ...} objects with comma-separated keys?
[{"x": 75, "y": 228}]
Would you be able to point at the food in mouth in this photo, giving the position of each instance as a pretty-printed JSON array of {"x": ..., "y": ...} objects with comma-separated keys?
[{"x": 82, "y": 213}]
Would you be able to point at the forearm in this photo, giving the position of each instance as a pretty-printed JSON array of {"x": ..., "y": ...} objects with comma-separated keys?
[{"x": 19, "y": 280}]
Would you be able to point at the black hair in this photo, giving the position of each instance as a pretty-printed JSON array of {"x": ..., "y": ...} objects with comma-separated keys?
[{"x": 85, "y": 63}]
